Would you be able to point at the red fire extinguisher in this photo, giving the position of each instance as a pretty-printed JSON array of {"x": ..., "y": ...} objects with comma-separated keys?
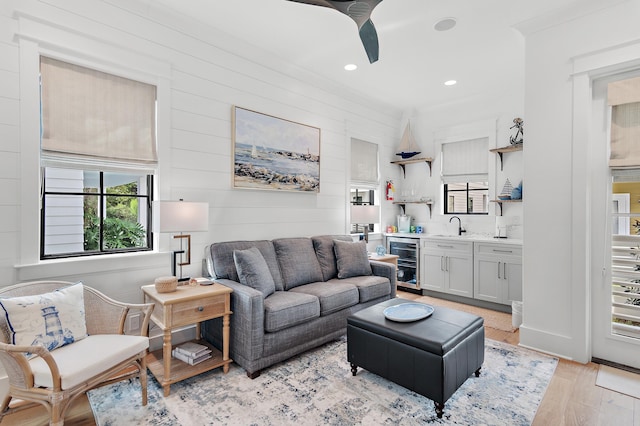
[{"x": 390, "y": 190}]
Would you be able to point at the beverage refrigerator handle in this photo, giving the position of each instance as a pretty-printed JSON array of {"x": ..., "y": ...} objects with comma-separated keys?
[{"x": 499, "y": 269}]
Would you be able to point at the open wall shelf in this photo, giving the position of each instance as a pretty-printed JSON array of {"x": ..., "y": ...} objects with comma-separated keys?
[
  {"x": 499, "y": 202},
  {"x": 403, "y": 204},
  {"x": 510, "y": 148},
  {"x": 403, "y": 163}
]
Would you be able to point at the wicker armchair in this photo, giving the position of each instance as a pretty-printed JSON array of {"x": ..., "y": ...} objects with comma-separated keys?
[{"x": 105, "y": 356}]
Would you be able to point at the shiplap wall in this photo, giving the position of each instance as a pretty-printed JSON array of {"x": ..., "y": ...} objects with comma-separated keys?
[{"x": 209, "y": 72}]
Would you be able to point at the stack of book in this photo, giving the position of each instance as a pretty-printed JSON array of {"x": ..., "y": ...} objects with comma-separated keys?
[{"x": 192, "y": 353}]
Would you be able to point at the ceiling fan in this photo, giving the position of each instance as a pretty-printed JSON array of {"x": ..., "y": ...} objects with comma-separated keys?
[{"x": 360, "y": 12}]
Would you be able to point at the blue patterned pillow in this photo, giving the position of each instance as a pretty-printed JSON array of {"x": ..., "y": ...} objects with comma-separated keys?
[{"x": 51, "y": 320}]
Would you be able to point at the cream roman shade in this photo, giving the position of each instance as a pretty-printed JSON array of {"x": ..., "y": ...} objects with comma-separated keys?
[
  {"x": 624, "y": 98},
  {"x": 465, "y": 161},
  {"x": 89, "y": 115},
  {"x": 364, "y": 163}
]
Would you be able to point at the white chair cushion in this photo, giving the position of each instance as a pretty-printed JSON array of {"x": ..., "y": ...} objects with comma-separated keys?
[
  {"x": 88, "y": 357},
  {"x": 52, "y": 320}
]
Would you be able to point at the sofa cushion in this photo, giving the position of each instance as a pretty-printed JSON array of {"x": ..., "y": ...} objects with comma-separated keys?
[
  {"x": 52, "y": 320},
  {"x": 370, "y": 287},
  {"x": 333, "y": 296},
  {"x": 298, "y": 262},
  {"x": 284, "y": 309},
  {"x": 221, "y": 258},
  {"x": 351, "y": 258},
  {"x": 323, "y": 245},
  {"x": 77, "y": 362},
  {"x": 253, "y": 270}
]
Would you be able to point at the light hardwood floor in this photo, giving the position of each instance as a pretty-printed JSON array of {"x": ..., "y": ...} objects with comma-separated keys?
[{"x": 572, "y": 398}]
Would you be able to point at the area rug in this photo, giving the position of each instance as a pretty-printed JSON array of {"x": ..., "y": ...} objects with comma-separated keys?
[
  {"x": 618, "y": 380},
  {"x": 317, "y": 388}
]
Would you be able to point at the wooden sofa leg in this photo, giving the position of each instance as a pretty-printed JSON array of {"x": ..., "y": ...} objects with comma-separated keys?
[{"x": 253, "y": 375}]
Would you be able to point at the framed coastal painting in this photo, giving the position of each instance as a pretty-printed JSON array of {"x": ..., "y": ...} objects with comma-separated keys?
[{"x": 273, "y": 153}]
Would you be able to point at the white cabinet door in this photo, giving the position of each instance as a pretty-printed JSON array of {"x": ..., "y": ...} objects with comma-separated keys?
[
  {"x": 432, "y": 271},
  {"x": 447, "y": 266},
  {"x": 459, "y": 280},
  {"x": 513, "y": 277},
  {"x": 486, "y": 282},
  {"x": 498, "y": 272}
]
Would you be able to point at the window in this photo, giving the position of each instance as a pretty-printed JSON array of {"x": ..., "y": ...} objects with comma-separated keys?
[
  {"x": 624, "y": 99},
  {"x": 98, "y": 158},
  {"x": 362, "y": 197},
  {"x": 465, "y": 176},
  {"x": 625, "y": 254},
  {"x": 91, "y": 212},
  {"x": 364, "y": 177},
  {"x": 466, "y": 198}
]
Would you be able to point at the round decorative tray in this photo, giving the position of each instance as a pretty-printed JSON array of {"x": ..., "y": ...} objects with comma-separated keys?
[{"x": 408, "y": 312}]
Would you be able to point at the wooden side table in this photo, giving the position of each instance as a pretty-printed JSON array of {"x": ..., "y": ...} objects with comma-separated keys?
[
  {"x": 388, "y": 258},
  {"x": 185, "y": 306}
]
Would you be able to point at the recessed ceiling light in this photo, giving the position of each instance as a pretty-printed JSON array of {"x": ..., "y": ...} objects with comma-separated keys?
[
  {"x": 445, "y": 24},
  {"x": 450, "y": 82},
  {"x": 350, "y": 67}
]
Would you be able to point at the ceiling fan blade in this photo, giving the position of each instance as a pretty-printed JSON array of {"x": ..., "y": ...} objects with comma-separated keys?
[
  {"x": 360, "y": 12},
  {"x": 369, "y": 38},
  {"x": 315, "y": 3}
]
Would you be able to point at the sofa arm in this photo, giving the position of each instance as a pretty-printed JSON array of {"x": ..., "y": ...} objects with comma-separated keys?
[
  {"x": 387, "y": 270},
  {"x": 247, "y": 320}
]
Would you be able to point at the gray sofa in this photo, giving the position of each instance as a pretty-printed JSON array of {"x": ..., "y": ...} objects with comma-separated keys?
[{"x": 292, "y": 294}]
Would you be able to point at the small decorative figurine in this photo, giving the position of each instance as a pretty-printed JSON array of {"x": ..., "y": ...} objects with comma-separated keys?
[{"x": 518, "y": 138}]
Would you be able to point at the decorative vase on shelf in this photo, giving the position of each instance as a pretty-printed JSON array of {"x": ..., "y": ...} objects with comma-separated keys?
[{"x": 516, "y": 193}]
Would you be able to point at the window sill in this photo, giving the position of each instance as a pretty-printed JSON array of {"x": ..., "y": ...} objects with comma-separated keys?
[{"x": 121, "y": 262}]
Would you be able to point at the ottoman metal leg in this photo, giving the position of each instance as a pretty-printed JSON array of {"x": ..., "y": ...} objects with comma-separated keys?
[{"x": 354, "y": 369}]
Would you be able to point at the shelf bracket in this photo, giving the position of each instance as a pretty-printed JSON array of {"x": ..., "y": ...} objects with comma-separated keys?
[
  {"x": 501, "y": 163},
  {"x": 429, "y": 163},
  {"x": 403, "y": 206},
  {"x": 499, "y": 204},
  {"x": 404, "y": 172}
]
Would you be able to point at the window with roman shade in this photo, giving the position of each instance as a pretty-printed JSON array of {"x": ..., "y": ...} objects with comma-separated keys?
[
  {"x": 364, "y": 163},
  {"x": 364, "y": 177},
  {"x": 465, "y": 175},
  {"x": 98, "y": 160},
  {"x": 89, "y": 115}
]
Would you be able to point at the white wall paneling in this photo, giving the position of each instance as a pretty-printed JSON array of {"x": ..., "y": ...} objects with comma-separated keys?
[{"x": 201, "y": 74}]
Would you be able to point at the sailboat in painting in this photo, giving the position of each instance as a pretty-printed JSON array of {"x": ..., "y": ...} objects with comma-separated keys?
[{"x": 408, "y": 146}]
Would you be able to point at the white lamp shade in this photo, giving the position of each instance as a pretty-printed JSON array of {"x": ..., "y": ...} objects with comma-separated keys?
[
  {"x": 365, "y": 214},
  {"x": 183, "y": 216}
]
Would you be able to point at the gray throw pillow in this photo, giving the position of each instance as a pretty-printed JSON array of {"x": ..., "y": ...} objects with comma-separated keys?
[
  {"x": 351, "y": 258},
  {"x": 253, "y": 270}
]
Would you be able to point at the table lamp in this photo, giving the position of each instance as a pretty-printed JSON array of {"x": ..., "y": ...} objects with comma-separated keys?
[
  {"x": 182, "y": 216},
  {"x": 365, "y": 215}
]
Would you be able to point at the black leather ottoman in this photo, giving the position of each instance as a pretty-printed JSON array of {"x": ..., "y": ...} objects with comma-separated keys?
[{"x": 432, "y": 357}]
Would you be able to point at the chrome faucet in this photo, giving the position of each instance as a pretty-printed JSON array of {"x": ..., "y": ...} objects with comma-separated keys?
[{"x": 460, "y": 230}]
